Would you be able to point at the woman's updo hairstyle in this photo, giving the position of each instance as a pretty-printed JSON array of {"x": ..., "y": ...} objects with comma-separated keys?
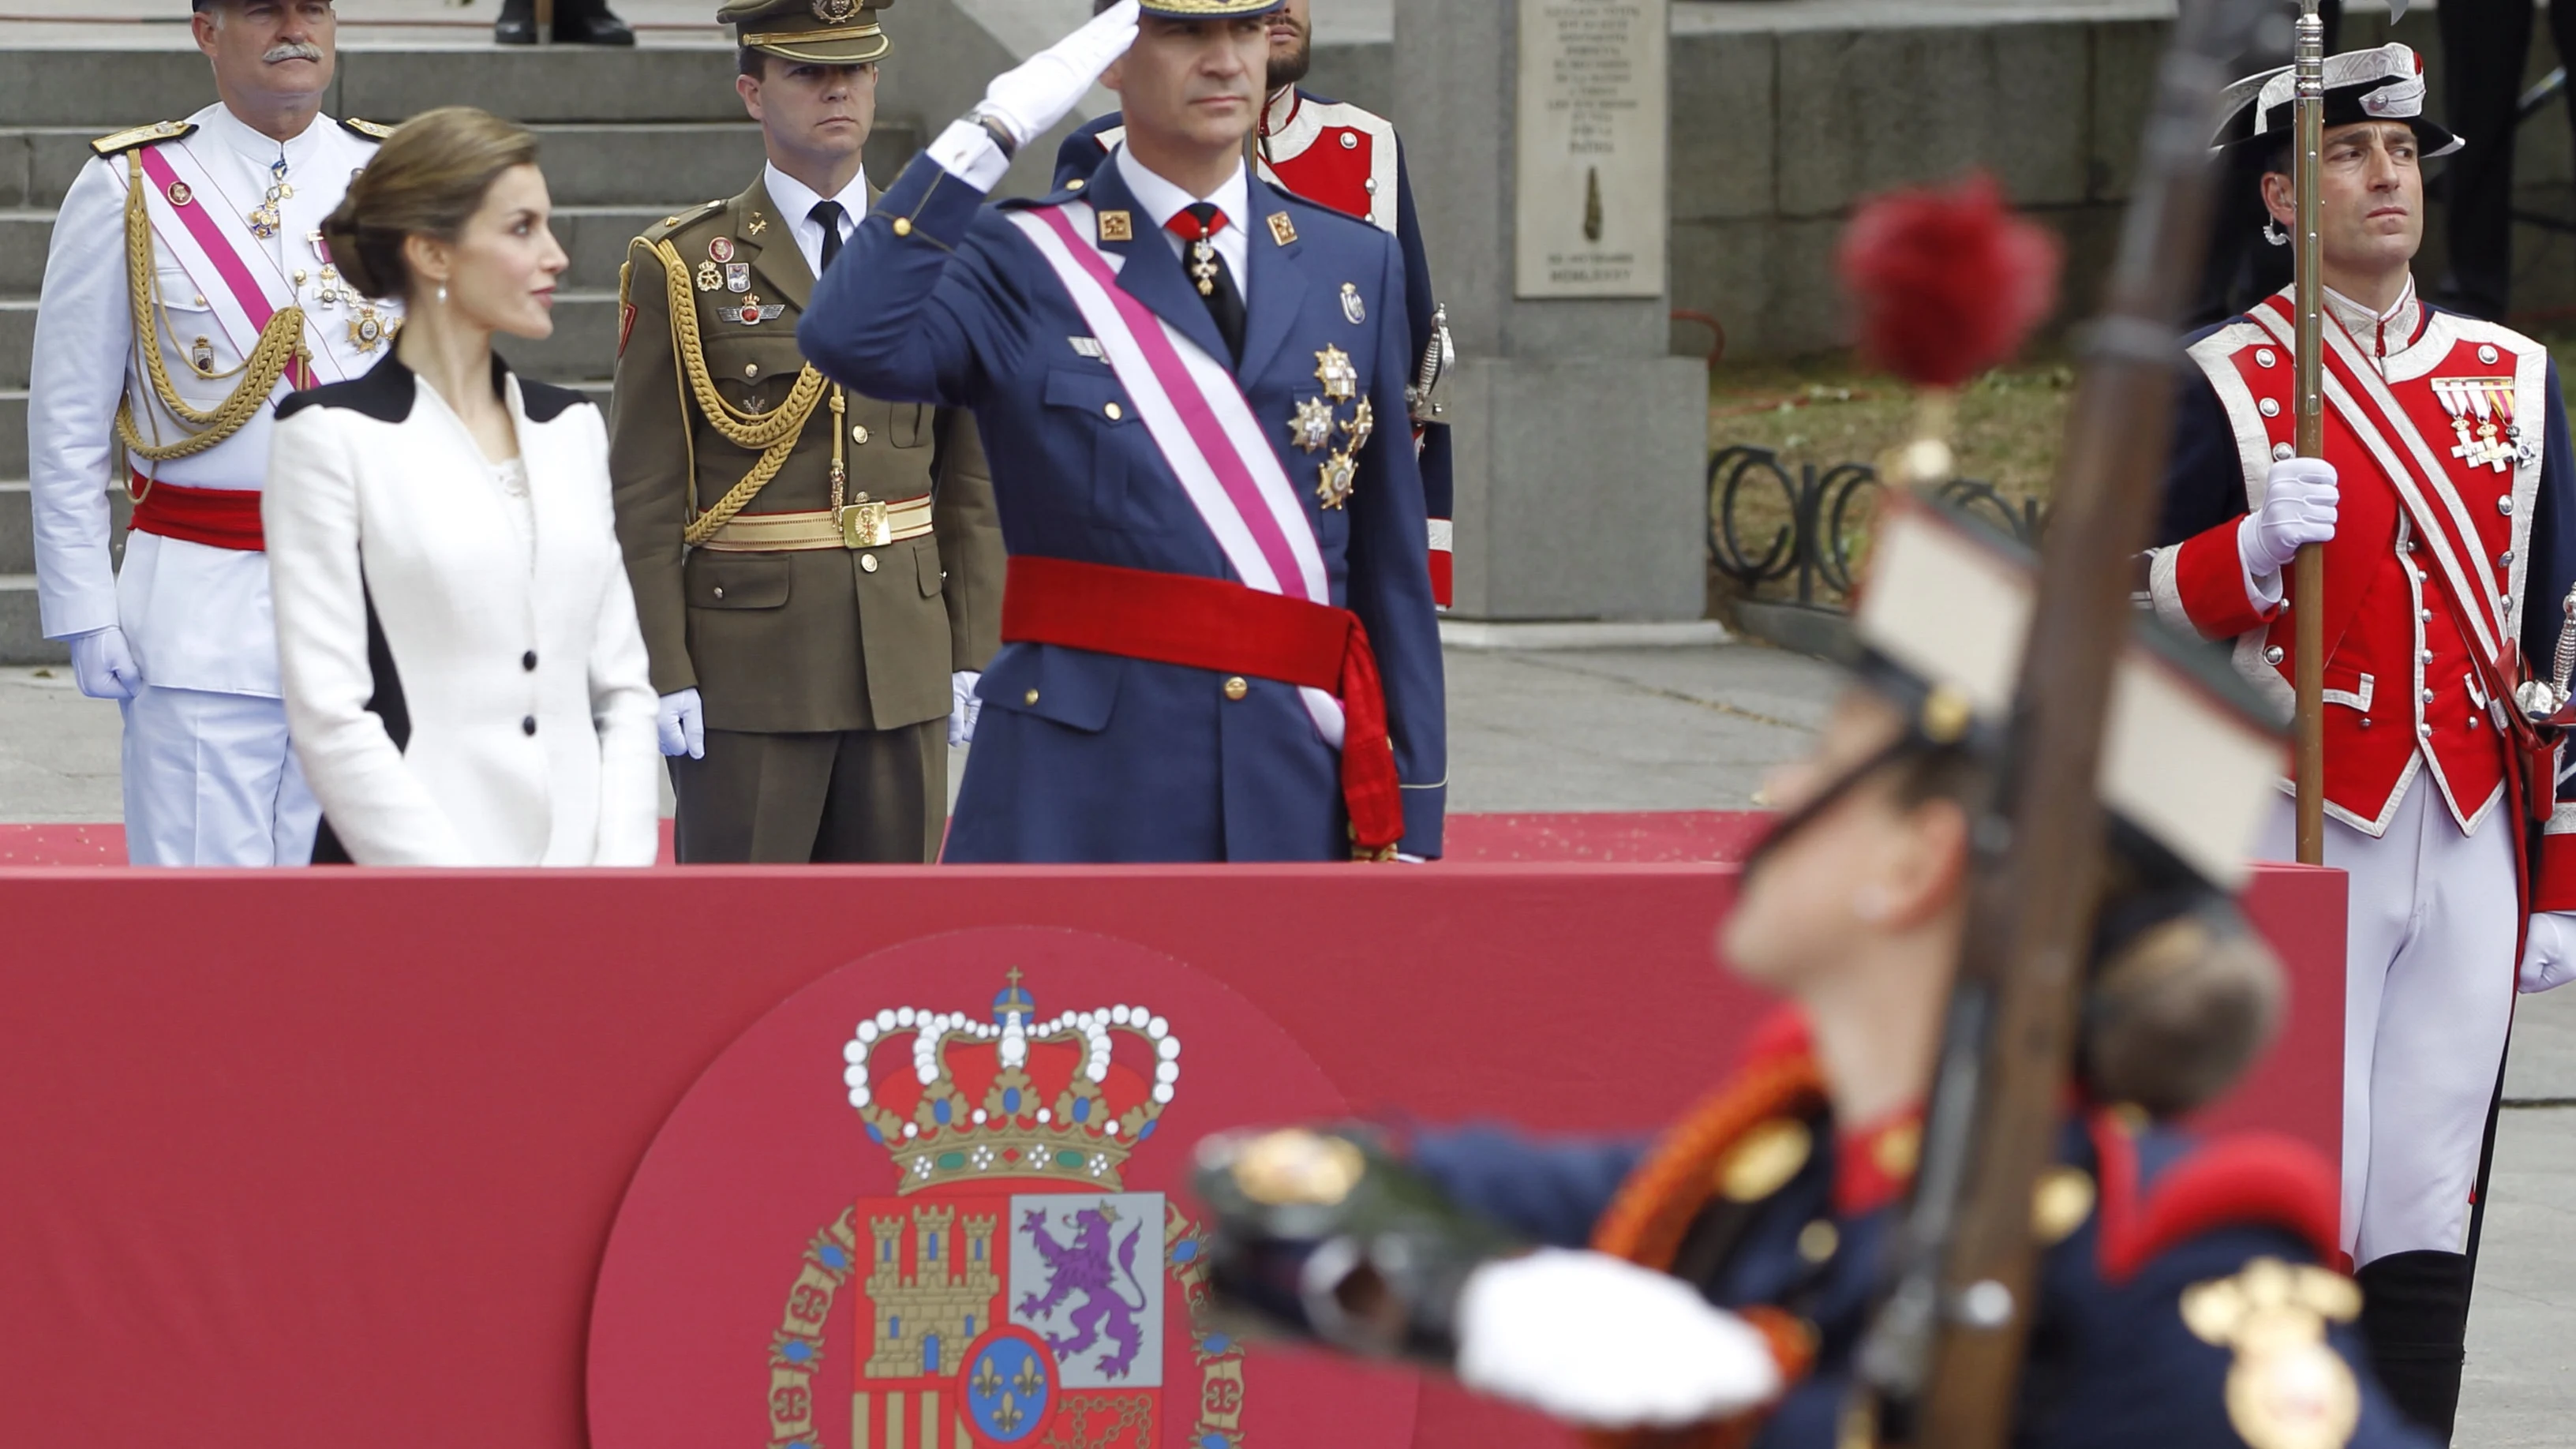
[{"x": 427, "y": 179}]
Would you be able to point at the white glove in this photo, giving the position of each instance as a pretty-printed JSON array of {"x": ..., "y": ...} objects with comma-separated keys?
[
  {"x": 2549, "y": 953},
  {"x": 2299, "y": 501},
  {"x": 682, "y": 723},
  {"x": 103, "y": 666},
  {"x": 1598, "y": 1341},
  {"x": 964, "y": 707},
  {"x": 1036, "y": 93}
]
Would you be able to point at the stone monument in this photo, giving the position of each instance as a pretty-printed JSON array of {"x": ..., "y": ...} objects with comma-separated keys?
[{"x": 1537, "y": 137}]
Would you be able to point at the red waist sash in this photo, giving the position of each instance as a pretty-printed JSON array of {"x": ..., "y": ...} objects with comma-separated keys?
[
  {"x": 215, "y": 517},
  {"x": 1214, "y": 624}
]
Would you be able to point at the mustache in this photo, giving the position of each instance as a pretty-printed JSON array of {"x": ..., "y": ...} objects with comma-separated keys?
[{"x": 293, "y": 50}]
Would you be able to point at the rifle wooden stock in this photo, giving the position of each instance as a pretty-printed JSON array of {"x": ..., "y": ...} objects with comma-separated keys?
[
  {"x": 1943, "y": 1360},
  {"x": 2308, "y": 413}
]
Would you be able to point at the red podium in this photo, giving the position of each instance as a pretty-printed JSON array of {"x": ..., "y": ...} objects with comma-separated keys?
[{"x": 534, "y": 1162}]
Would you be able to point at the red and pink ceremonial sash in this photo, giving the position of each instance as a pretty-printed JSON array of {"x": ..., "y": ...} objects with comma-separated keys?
[
  {"x": 1194, "y": 409},
  {"x": 208, "y": 237}
]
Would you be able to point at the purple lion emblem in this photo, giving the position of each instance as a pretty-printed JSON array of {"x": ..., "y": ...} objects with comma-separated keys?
[{"x": 1083, "y": 1266}]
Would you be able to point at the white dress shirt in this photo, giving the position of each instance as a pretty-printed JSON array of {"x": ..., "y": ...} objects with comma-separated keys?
[
  {"x": 798, "y": 200},
  {"x": 1162, "y": 201}
]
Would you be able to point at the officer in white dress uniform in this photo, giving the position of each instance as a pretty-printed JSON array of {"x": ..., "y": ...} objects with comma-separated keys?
[{"x": 175, "y": 313}]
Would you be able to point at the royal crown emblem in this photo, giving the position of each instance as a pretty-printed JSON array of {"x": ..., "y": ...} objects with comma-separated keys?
[
  {"x": 1012, "y": 1097},
  {"x": 1011, "y": 1290}
]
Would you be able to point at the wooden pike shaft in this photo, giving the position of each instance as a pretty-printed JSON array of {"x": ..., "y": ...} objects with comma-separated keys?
[{"x": 2308, "y": 573}]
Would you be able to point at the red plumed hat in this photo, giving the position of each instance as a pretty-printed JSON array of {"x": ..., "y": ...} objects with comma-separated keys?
[{"x": 1949, "y": 282}]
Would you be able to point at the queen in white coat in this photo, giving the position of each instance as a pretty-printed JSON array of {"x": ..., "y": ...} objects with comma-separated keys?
[{"x": 464, "y": 677}]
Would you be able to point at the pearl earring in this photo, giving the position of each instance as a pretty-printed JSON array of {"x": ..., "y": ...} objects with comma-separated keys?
[{"x": 442, "y": 294}]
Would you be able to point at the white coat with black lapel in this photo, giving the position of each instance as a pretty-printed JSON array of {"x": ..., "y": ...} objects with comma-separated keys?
[{"x": 456, "y": 696}]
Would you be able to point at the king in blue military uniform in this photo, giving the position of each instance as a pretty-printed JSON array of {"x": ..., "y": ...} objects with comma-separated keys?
[
  {"x": 1714, "y": 1286},
  {"x": 1220, "y": 642}
]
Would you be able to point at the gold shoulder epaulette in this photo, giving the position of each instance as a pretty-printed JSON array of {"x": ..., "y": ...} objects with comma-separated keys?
[
  {"x": 124, "y": 141},
  {"x": 371, "y": 130},
  {"x": 669, "y": 224}
]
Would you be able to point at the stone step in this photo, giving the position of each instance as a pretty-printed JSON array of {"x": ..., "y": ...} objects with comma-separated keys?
[
  {"x": 103, "y": 89},
  {"x": 22, "y": 637},
  {"x": 645, "y": 163},
  {"x": 18, "y": 533}
]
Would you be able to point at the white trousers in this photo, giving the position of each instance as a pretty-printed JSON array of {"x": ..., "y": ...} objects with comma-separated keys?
[
  {"x": 2428, "y": 996},
  {"x": 210, "y": 779}
]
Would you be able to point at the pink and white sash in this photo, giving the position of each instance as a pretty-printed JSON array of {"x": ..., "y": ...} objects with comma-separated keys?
[
  {"x": 208, "y": 237},
  {"x": 1194, "y": 409}
]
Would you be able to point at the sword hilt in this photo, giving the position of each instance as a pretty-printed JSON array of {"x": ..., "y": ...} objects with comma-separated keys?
[
  {"x": 1437, "y": 355},
  {"x": 2563, "y": 669}
]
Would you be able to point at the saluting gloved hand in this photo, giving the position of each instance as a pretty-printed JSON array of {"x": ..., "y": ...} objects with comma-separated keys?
[
  {"x": 964, "y": 707},
  {"x": 682, "y": 723},
  {"x": 2549, "y": 952},
  {"x": 1599, "y": 1341},
  {"x": 2299, "y": 501},
  {"x": 1036, "y": 93},
  {"x": 103, "y": 666}
]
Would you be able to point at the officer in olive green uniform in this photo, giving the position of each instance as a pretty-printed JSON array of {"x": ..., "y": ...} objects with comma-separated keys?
[{"x": 819, "y": 573}]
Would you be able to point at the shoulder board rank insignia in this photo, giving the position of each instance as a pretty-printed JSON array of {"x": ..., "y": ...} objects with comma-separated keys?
[
  {"x": 1282, "y": 229},
  {"x": 1117, "y": 226},
  {"x": 124, "y": 141},
  {"x": 372, "y": 130}
]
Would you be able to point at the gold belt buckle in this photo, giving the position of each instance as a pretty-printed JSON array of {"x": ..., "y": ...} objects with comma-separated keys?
[{"x": 866, "y": 525}]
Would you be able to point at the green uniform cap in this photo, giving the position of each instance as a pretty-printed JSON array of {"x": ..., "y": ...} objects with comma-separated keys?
[{"x": 824, "y": 32}]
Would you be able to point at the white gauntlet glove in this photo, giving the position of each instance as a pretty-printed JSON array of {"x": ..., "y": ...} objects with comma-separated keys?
[
  {"x": 1598, "y": 1341},
  {"x": 1036, "y": 93},
  {"x": 682, "y": 723},
  {"x": 963, "y": 708},
  {"x": 2549, "y": 952},
  {"x": 103, "y": 666},
  {"x": 2299, "y": 501}
]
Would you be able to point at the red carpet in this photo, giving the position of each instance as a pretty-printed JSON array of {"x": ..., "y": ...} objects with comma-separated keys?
[{"x": 1633, "y": 837}]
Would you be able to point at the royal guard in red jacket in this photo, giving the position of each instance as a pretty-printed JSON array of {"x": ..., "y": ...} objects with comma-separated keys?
[
  {"x": 2443, "y": 504},
  {"x": 1338, "y": 155}
]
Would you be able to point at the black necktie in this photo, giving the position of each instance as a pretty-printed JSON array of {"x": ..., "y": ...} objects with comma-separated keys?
[
  {"x": 829, "y": 214},
  {"x": 1198, "y": 225}
]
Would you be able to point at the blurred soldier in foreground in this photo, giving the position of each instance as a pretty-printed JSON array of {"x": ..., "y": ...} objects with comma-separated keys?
[
  {"x": 1339, "y": 155},
  {"x": 1219, "y": 641},
  {"x": 583, "y": 22},
  {"x": 1723, "y": 1275},
  {"x": 2449, "y": 541},
  {"x": 819, "y": 572},
  {"x": 188, "y": 289}
]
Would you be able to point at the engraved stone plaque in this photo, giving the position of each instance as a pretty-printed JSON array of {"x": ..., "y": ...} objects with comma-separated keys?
[{"x": 1592, "y": 141}]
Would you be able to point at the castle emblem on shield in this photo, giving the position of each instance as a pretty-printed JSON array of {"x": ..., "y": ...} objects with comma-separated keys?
[{"x": 1010, "y": 1292}]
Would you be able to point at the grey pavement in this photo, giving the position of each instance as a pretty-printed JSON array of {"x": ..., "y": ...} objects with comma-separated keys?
[{"x": 1696, "y": 729}]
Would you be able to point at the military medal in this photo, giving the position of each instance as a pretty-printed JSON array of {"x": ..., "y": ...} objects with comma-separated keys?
[
  {"x": 1334, "y": 478},
  {"x": 1312, "y": 428},
  {"x": 179, "y": 193},
  {"x": 2475, "y": 405},
  {"x": 201, "y": 356},
  {"x": 366, "y": 330},
  {"x": 1352, "y": 307},
  {"x": 753, "y": 312},
  {"x": 749, "y": 313},
  {"x": 1363, "y": 422},
  {"x": 1334, "y": 370},
  {"x": 264, "y": 218},
  {"x": 738, "y": 276},
  {"x": 708, "y": 277},
  {"x": 720, "y": 250}
]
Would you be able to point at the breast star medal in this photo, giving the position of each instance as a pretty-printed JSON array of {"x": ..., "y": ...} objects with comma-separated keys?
[
  {"x": 709, "y": 278},
  {"x": 1334, "y": 479},
  {"x": 1312, "y": 427},
  {"x": 1334, "y": 370},
  {"x": 366, "y": 330}
]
